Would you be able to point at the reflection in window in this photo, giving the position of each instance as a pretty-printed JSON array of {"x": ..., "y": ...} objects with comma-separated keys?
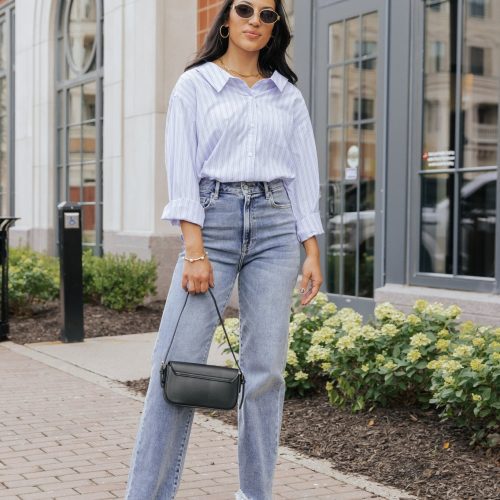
[
  {"x": 79, "y": 113},
  {"x": 480, "y": 93},
  {"x": 432, "y": 115},
  {"x": 352, "y": 90},
  {"x": 364, "y": 109},
  {"x": 477, "y": 8},
  {"x": 477, "y": 224},
  {"x": 458, "y": 203},
  {"x": 476, "y": 61},
  {"x": 437, "y": 56},
  {"x": 439, "y": 82},
  {"x": 436, "y": 239}
]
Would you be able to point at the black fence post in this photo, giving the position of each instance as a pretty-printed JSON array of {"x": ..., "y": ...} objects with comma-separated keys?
[
  {"x": 5, "y": 223},
  {"x": 70, "y": 260}
]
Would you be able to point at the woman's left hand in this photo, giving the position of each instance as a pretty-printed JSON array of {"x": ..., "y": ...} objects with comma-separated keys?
[{"x": 311, "y": 278}]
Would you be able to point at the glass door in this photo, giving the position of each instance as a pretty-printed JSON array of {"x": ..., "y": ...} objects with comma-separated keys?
[{"x": 349, "y": 69}]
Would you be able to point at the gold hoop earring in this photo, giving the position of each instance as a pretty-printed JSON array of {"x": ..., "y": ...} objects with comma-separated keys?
[{"x": 220, "y": 31}]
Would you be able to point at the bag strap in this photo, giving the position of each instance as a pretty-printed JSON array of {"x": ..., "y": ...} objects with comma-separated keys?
[{"x": 221, "y": 322}]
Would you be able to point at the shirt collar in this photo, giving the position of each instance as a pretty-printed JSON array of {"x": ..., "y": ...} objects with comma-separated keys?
[{"x": 218, "y": 77}]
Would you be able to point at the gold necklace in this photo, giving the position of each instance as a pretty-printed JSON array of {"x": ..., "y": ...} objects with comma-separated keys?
[{"x": 240, "y": 74}]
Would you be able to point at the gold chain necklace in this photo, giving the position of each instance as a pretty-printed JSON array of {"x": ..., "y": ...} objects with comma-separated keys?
[{"x": 234, "y": 71}]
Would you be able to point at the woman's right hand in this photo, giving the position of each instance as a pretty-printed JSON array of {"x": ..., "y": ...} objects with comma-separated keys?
[{"x": 197, "y": 276}]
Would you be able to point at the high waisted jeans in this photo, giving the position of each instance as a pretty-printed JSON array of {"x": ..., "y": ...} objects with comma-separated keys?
[{"x": 249, "y": 231}]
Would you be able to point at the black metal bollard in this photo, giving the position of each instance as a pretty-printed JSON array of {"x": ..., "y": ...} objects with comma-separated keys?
[
  {"x": 5, "y": 223},
  {"x": 70, "y": 259}
]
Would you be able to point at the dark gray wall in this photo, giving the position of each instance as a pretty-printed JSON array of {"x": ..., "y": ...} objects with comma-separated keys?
[{"x": 398, "y": 132}]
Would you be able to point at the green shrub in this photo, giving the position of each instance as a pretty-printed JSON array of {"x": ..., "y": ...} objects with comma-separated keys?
[
  {"x": 116, "y": 281},
  {"x": 120, "y": 281},
  {"x": 413, "y": 358},
  {"x": 466, "y": 380},
  {"x": 300, "y": 377},
  {"x": 233, "y": 332},
  {"x": 426, "y": 357},
  {"x": 90, "y": 266},
  {"x": 33, "y": 278},
  {"x": 412, "y": 341}
]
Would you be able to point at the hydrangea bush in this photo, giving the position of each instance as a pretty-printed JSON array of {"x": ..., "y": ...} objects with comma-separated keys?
[
  {"x": 299, "y": 373},
  {"x": 426, "y": 357},
  {"x": 466, "y": 379}
]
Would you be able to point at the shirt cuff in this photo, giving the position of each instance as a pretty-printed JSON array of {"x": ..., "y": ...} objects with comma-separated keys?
[
  {"x": 184, "y": 209},
  {"x": 308, "y": 226}
]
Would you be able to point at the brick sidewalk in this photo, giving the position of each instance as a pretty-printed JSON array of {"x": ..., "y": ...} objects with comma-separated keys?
[{"x": 64, "y": 437}]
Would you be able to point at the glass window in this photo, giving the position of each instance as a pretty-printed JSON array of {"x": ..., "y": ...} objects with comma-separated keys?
[
  {"x": 352, "y": 91},
  {"x": 476, "y": 8},
  {"x": 437, "y": 56},
  {"x": 435, "y": 6},
  {"x": 459, "y": 172},
  {"x": 79, "y": 113},
  {"x": 476, "y": 61}
]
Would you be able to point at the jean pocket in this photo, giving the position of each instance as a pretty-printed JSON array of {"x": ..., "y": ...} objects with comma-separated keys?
[
  {"x": 278, "y": 198},
  {"x": 206, "y": 199}
]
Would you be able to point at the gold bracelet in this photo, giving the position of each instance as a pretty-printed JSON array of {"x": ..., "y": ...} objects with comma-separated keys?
[{"x": 197, "y": 258}]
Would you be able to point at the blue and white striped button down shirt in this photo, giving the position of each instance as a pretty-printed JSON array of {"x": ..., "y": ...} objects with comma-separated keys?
[{"x": 219, "y": 127}]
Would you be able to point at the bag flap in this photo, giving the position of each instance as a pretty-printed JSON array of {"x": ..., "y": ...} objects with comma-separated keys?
[{"x": 216, "y": 372}]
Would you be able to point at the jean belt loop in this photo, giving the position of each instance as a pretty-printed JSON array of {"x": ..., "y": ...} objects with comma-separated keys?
[
  {"x": 266, "y": 189},
  {"x": 216, "y": 190}
]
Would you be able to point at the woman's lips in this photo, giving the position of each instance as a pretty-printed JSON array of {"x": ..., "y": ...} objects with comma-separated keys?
[{"x": 251, "y": 35}]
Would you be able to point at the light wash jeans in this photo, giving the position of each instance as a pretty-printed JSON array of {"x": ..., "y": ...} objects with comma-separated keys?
[{"x": 249, "y": 230}]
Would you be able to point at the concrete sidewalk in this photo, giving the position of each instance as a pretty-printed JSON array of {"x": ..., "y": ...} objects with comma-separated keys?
[
  {"x": 67, "y": 429},
  {"x": 121, "y": 357}
]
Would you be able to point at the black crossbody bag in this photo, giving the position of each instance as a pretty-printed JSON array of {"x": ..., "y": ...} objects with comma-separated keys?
[{"x": 201, "y": 385}]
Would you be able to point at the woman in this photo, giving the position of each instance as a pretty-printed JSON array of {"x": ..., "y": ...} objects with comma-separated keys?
[{"x": 243, "y": 186}]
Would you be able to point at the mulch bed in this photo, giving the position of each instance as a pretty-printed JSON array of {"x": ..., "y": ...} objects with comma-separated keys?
[
  {"x": 403, "y": 447},
  {"x": 45, "y": 324},
  {"x": 400, "y": 447}
]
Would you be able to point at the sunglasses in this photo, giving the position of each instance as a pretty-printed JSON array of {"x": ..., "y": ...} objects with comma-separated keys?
[{"x": 268, "y": 16}]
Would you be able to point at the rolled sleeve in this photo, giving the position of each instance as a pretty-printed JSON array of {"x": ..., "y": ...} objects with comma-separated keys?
[
  {"x": 180, "y": 157},
  {"x": 304, "y": 189}
]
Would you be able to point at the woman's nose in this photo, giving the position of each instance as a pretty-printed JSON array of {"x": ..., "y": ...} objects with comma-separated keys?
[{"x": 255, "y": 17}]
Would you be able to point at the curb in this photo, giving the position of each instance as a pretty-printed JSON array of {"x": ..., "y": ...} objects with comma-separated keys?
[{"x": 315, "y": 464}]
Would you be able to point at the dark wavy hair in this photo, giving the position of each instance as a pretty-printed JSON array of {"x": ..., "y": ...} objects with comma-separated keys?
[{"x": 271, "y": 57}]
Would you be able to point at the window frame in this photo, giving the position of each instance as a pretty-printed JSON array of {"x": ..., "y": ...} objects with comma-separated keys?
[
  {"x": 61, "y": 123},
  {"x": 471, "y": 13},
  {"x": 416, "y": 277}
]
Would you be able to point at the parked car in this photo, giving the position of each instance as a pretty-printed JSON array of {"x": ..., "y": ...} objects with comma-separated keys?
[{"x": 477, "y": 226}]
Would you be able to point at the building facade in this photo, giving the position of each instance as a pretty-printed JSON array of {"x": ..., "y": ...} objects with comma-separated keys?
[{"x": 403, "y": 96}]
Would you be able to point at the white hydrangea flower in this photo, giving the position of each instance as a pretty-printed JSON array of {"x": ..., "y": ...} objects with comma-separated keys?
[
  {"x": 420, "y": 340},
  {"x": 318, "y": 353}
]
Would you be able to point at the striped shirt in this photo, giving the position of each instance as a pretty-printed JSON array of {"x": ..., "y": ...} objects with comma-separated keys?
[{"x": 219, "y": 127}]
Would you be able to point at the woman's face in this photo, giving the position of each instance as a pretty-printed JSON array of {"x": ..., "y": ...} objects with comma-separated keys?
[{"x": 239, "y": 26}]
